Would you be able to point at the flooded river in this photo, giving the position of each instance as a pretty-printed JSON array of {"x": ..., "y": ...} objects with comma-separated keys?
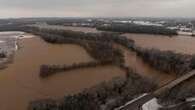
[
  {"x": 20, "y": 82},
  {"x": 180, "y": 44}
]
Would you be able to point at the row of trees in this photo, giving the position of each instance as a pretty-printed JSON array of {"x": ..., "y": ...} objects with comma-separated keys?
[
  {"x": 47, "y": 70},
  {"x": 134, "y": 28},
  {"x": 105, "y": 96}
]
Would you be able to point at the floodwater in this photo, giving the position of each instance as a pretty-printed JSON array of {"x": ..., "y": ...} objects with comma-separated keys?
[
  {"x": 179, "y": 44},
  {"x": 145, "y": 70},
  {"x": 20, "y": 82},
  {"x": 135, "y": 62}
]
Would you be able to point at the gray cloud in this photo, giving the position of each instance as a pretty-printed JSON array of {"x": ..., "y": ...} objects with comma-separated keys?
[{"x": 108, "y": 8}]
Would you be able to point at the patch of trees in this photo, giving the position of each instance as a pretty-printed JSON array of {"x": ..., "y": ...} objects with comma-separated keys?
[
  {"x": 105, "y": 96},
  {"x": 166, "y": 61},
  {"x": 134, "y": 28}
]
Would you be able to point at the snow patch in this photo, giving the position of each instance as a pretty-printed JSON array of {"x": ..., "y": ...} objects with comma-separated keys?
[
  {"x": 132, "y": 101},
  {"x": 185, "y": 33},
  {"x": 151, "y": 105},
  {"x": 147, "y": 23},
  {"x": 190, "y": 99},
  {"x": 25, "y": 36},
  {"x": 1, "y": 41}
]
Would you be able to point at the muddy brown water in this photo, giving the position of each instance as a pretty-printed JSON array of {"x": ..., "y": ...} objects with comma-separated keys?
[
  {"x": 20, "y": 82},
  {"x": 179, "y": 44},
  {"x": 145, "y": 70}
]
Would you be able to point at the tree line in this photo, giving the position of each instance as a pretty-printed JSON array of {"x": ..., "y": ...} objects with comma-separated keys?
[
  {"x": 47, "y": 70},
  {"x": 134, "y": 28}
]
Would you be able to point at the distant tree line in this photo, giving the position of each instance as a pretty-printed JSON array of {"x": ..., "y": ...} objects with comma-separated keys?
[
  {"x": 134, "y": 28},
  {"x": 105, "y": 96}
]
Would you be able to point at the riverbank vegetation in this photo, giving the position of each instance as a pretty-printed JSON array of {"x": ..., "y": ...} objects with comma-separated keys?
[
  {"x": 167, "y": 61},
  {"x": 134, "y": 28},
  {"x": 105, "y": 96}
]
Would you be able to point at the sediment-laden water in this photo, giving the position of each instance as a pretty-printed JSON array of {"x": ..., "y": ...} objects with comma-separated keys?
[{"x": 20, "y": 82}]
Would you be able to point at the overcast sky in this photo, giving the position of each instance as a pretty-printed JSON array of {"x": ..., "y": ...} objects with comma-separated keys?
[{"x": 97, "y": 8}]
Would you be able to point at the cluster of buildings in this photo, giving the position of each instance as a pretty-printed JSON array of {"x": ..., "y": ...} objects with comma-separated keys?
[{"x": 184, "y": 29}]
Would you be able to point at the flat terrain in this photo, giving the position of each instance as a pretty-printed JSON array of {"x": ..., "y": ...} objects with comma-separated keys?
[
  {"x": 21, "y": 83},
  {"x": 180, "y": 44}
]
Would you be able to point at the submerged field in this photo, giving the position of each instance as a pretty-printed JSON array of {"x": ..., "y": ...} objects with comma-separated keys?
[
  {"x": 21, "y": 82},
  {"x": 180, "y": 44}
]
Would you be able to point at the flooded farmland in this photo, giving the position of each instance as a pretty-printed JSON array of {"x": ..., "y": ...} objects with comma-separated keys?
[
  {"x": 20, "y": 82},
  {"x": 145, "y": 70},
  {"x": 180, "y": 44}
]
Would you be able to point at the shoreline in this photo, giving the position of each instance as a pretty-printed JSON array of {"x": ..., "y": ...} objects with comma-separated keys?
[{"x": 10, "y": 52}]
